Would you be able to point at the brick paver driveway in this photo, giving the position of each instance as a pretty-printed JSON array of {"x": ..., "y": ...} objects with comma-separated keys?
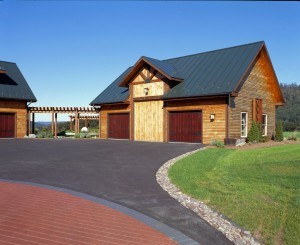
[{"x": 119, "y": 171}]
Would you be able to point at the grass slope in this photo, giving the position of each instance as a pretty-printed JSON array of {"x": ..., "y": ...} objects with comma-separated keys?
[{"x": 259, "y": 189}]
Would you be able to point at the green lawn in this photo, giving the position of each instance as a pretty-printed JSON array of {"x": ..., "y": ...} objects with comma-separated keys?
[{"x": 259, "y": 188}]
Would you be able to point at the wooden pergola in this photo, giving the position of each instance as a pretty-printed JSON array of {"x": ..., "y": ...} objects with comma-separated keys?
[
  {"x": 86, "y": 119},
  {"x": 77, "y": 111}
]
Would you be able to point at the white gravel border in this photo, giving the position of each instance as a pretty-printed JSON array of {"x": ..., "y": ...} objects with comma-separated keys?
[{"x": 215, "y": 219}]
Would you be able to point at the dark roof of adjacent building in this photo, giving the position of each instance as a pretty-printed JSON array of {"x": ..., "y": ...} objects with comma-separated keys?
[
  {"x": 13, "y": 85},
  {"x": 205, "y": 74}
]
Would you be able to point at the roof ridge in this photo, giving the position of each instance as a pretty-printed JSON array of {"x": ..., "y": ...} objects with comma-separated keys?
[{"x": 214, "y": 50}]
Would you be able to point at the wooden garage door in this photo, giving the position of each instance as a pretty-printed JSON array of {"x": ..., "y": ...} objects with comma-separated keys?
[
  {"x": 185, "y": 126},
  {"x": 118, "y": 126},
  {"x": 7, "y": 125}
]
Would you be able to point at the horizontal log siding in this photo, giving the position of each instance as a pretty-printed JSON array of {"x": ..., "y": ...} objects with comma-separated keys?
[
  {"x": 259, "y": 84},
  {"x": 211, "y": 130},
  {"x": 19, "y": 108},
  {"x": 103, "y": 115}
]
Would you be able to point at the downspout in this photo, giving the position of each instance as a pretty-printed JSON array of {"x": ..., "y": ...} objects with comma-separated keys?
[{"x": 227, "y": 118}]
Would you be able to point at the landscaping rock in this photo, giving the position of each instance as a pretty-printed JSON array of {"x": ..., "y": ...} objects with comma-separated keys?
[
  {"x": 240, "y": 142},
  {"x": 231, "y": 231}
]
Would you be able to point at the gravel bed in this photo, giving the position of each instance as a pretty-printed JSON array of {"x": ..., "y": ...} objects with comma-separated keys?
[{"x": 233, "y": 232}]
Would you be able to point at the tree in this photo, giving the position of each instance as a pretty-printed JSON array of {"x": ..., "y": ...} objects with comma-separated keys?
[{"x": 279, "y": 131}]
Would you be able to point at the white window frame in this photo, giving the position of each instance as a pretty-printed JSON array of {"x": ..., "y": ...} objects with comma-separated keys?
[
  {"x": 246, "y": 124},
  {"x": 265, "y": 126}
]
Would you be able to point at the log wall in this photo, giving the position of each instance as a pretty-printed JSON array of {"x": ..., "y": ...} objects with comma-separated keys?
[
  {"x": 20, "y": 110},
  {"x": 260, "y": 84}
]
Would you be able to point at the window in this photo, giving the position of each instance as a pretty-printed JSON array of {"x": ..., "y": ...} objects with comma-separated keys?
[
  {"x": 264, "y": 124},
  {"x": 244, "y": 124}
]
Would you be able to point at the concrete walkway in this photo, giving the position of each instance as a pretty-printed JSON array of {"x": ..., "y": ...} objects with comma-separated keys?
[{"x": 122, "y": 172}]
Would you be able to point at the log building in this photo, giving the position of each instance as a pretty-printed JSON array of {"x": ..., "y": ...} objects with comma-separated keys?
[{"x": 195, "y": 98}]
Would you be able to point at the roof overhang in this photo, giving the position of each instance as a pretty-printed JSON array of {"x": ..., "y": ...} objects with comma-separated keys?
[
  {"x": 138, "y": 66},
  {"x": 112, "y": 103},
  {"x": 221, "y": 95}
]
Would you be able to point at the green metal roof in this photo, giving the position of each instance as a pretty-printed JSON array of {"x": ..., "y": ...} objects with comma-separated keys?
[
  {"x": 12, "y": 83},
  {"x": 113, "y": 93},
  {"x": 168, "y": 68},
  {"x": 204, "y": 74}
]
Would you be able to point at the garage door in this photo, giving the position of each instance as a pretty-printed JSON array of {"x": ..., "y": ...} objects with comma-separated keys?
[
  {"x": 185, "y": 126},
  {"x": 118, "y": 126},
  {"x": 7, "y": 125}
]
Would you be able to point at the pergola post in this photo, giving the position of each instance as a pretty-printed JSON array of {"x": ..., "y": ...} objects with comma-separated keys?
[
  {"x": 55, "y": 126},
  {"x": 28, "y": 123},
  {"x": 76, "y": 122},
  {"x": 52, "y": 123},
  {"x": 71, "y": 123},
  {"x": 86, "y": 122},
  {"x": 33, "y": 123}
]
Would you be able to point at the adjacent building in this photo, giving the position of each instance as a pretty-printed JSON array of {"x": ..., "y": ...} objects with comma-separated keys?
[{"x": 14, "y": 96}]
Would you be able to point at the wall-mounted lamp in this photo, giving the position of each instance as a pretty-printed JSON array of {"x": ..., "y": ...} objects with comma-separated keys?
[
  {"x": 146, "y": 90},
  {"x": 212, "y": 117}
]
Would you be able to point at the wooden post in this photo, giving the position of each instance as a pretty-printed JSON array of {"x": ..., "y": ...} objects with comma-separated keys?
[
  {"x": 52, "y": 123},
  {"x": 86, "y": 122},
  {"x": 71, "y": 123},
  {"x": 28, "y": 123},
  {"x": 76, "y": 122},
  {"x": 33, "y": 123},
  {"x": 55, "y": 126}
]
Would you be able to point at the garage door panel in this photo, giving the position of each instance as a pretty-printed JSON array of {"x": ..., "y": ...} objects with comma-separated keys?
[
  {"x": 7, "y": 125},
  {"x": 185, "y": 126},
  {"x": 118, "y": 126}
]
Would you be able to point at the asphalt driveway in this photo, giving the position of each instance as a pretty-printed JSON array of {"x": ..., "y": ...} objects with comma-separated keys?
[{"x": 119, "y": 171}]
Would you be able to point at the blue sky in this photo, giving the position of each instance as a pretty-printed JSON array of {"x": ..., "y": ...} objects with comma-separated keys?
[{"x": 70, "y": 51}]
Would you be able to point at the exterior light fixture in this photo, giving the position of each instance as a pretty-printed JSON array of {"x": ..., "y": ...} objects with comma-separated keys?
[
  {"x": 146, "y": 90},
  {"x": 212, "y": 117}
]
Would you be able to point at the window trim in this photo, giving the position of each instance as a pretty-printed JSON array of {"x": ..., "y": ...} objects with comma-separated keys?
[
  {"x": 266, "y": 125},
  {"x": 246, "y": 124}
]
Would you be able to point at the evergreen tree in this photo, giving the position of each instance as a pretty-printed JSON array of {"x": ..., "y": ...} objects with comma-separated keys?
[
  {"x": 254, "y": 134},
  {"x": 279, "y": 131}
]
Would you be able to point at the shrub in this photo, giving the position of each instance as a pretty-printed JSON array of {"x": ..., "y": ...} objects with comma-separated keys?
[
  {"x": 77, "y": 136},
  {"x": 217, "y": 143},
  {"x": 264, "y": 139},
  {"x": 255, "y": 133},
  {"x": 292, "y": 137},
  {"x": 279, "y": 131}
]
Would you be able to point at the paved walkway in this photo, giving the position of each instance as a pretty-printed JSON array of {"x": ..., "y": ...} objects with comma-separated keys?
[{"x": 34, "y": 215}]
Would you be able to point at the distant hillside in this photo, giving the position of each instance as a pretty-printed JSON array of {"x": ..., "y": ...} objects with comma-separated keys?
[{"x": 290, "y": 113}]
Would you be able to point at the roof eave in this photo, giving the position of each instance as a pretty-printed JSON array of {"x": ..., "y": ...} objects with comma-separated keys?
[
  {"x": 226, "y": 94},
  {"x": 22, "y": 99},
  {"x": 110, "y": 103}
]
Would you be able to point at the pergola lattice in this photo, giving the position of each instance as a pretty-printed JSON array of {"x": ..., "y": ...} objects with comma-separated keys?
[{"x": 93, "y": 114}]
